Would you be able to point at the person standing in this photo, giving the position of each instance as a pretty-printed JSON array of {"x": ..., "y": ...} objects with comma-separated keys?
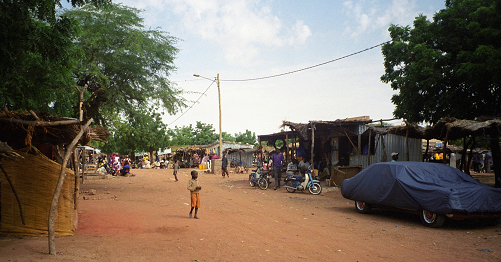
[
  {"x": 176, "y": 167},
  {"x": 278, "y": 158},
  {"x": 394, "y": 157},
  {"x": 225, "y": 166},
  {"x": 194, "y": 187}
]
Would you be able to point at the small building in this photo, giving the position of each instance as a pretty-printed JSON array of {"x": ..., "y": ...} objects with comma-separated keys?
[{"x": 341, "y": 148}]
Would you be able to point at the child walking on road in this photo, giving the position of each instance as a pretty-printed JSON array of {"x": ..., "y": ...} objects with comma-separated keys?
[
  {"x": 194, "y": 188},
  {"x": 176, "y": 167}
]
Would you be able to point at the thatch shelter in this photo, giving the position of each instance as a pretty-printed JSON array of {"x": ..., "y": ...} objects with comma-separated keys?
[{"x": 41, "y": 140}]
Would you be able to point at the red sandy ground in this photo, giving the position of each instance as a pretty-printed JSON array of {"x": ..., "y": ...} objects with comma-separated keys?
[{"x": 145, "y": 218}]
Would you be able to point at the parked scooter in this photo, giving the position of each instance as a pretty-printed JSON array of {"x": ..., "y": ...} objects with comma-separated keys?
[
  {"x": 260, "y": 177},
  {"x": 295, "y": 182}
]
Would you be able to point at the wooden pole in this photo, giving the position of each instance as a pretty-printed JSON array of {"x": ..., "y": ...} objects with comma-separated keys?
[
  {"x": 312, "y": 145},
  {"x": 59, "y": 186},
  {"x": 220, "y": 125},
  {"x": 444, "y": 147},
  {"x": 369, "y": 149},
  {"x": 384, "y": 149},
  {"x": 287, "y": 155},
  {"x": 407, "y": 144}
]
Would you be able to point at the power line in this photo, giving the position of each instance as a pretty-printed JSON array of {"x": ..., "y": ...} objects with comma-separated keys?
[
  {"x": 346, "y": 56},
  {"x": 193, "y": 104},
  {"x": 306, "y": 68}
]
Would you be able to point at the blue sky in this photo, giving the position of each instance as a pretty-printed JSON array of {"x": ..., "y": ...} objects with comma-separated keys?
[{"x": 246, "y": 39}]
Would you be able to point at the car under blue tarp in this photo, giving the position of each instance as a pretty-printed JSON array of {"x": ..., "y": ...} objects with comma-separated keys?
[{"x": 434, "y": 187}]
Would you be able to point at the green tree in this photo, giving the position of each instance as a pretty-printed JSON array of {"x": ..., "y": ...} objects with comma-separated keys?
[
  {"x": 181, "y": 135},
  {"x": 37, "y": 56},
  {"x": 144, "y": 132},
  {"x": 248, "y": 137},
  {"x": 124, "y": 65},
  {"x": 448, "y": 67},
  {"x": 227, "y": 137},
  {"x": 204, "y": 134}
]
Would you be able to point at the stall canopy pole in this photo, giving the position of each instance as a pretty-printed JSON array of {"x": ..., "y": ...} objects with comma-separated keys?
[
  {"x": 369, "y": 149},
  {"x": 312, "y": 144}
]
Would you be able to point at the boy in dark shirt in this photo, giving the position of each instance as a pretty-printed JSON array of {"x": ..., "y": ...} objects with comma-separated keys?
[{"x": 194, "y": 188}]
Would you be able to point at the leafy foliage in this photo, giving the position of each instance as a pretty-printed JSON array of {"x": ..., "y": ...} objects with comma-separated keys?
[
  {"x": 37, "y": 56},
  {"x": 247, "y": 138},
  {"x": 449, "y": 67},
  {"x": 124, "y": 64},
  {"x": 201, "y": 134},
  {"x": 144, "y": 132}
]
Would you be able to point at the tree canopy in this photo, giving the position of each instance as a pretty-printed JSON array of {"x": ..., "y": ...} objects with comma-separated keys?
[
  {"x": 448, "y": 67},
  {"x": 124, "y": 65},
  {"x": 37, "y": 55},
  {"x": 143, "y": 132}
]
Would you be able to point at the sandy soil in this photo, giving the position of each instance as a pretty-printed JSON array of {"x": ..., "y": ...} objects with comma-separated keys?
[{"x": 145, "y": 218}]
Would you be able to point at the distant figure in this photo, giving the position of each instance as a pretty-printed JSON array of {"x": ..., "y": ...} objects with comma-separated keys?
[
  {"x": 176, "y": 167},
  {"x": 224, "y": 166},
  {"x": 194, "y": 188},
  {"x": 278, "y": 158},
  {"x": 394, "y": 157}
]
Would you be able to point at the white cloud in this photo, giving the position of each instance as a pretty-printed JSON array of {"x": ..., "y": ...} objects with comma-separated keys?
[
  {"x": 300, "y": 33},
  {"x": 371, "y": 16},
  {"x": 241, "y": 28}
]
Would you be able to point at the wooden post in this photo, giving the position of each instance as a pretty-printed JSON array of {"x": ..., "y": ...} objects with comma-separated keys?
[
  {"x": 313, "y": 146},
  {"x": 369, "y": 149},
  {"x": 444, "y": 147},
  {"x": 287, "y": 155},
  {"x": 427, "y": 146},
  {"x": 76, "y": 193},
  {"x": 407, "y": 144},
  {"x": 83, "y": 164},
  {"x": 59, "y": 186},
  {"x": 384, "y": 149}
]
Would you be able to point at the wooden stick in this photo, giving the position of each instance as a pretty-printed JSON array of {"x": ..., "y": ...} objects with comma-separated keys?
[
  {"x": 15, "y": 193},
  {"x": 7, "y": 111},
  {"x": 59, "y": 185},
  {"x": 34, "y": 115},
  {"x": 41, "y": 123}
]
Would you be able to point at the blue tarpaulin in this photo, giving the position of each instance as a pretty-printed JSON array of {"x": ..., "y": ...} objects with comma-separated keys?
[{"x": 435, "y": 187}]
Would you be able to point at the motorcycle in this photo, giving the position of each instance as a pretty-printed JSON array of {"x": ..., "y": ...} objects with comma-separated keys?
[
  {"x": 295, "y": 182},
  {"x": 260, "y": 177}
]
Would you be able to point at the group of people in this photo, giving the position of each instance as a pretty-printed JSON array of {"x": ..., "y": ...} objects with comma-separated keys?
[{"x": 114, "y": 165}]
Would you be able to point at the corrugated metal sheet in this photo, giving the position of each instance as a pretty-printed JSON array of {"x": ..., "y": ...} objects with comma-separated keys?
[
  {"x": 392, "y": 143},
  {"x": 245, "y": 157}
]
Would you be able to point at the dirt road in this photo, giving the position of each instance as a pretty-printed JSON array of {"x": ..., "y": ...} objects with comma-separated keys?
[{"x": 145, "y": 218}]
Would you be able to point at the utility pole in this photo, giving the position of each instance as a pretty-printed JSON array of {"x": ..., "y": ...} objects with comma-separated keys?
[{"x": 220, "y": 126}]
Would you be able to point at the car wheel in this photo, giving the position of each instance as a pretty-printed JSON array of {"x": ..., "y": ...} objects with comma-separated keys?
[
  {"x": 431, "y": 219},
  {"x": 363, "y": 207}
]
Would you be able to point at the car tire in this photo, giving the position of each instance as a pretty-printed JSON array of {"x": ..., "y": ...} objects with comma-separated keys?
[
  {"x": 362, "y": 207},
  {"x": 430, "y": 219}
]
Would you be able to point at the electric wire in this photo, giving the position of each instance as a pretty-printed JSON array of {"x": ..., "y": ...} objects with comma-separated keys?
[
  {"x": 192, "y": 104},
  {"x": 309, "y": 67},
  {"x": 306, "y": 68}
]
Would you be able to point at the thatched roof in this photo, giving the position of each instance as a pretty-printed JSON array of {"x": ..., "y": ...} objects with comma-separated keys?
[
  {"x": 303, "y": 128},
  {"x": 450, "y": 127},
  {"x": 21, "y": 129}
]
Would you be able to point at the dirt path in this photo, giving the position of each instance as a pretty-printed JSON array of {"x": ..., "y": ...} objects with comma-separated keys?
[{"x": 145, "y": 218}]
